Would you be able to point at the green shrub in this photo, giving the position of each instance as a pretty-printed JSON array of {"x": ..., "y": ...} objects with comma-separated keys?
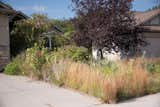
[
  {"x": 72, "y": 52},
  {"x": 150, "y": 67},
  {"x": 154, "y": 83},
  {"x": 13, "y": 68},
  {"x": 78, "y": 53},
  {"x": 35, "y": 57},
  {"x": 157, "y": 68},
  {"x": 107, "y": 67},
  {"x": 26, "y": 33},
  {"x": 153, "y": 67}
]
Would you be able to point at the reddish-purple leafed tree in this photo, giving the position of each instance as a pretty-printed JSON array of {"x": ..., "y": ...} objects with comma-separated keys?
[{"x": 106, "y": 23}]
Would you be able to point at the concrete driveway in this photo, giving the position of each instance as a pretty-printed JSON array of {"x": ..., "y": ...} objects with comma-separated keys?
[{"x": 18, "y": 91}]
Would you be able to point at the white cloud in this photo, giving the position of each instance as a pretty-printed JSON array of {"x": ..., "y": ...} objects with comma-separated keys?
[
  {"x": 39, "y": 8},
  {"x": 35, "y": 8}
]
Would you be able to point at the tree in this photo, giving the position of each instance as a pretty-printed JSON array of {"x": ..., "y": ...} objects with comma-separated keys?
[
  {"x": 107, "y": 24},
  {"x": 26, "y": 33},
  {"x": 67, "y": 27}
]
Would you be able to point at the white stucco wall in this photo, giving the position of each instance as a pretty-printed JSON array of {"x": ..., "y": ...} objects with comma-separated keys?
[
  {"x": 112, "y": 56},
  {"x": 95, "y": 53}
]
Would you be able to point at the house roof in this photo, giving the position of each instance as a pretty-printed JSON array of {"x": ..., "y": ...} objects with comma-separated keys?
[
  {"x": 9, "y": 11},
  {"x": 3, "y": 5},
  {"x": 142, "y": 17}
]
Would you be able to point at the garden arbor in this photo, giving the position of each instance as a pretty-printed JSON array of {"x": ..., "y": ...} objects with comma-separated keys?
[{"x": 51, "y": 33}]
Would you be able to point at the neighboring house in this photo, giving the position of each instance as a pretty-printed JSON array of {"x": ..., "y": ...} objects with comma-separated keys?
[
  {"x": 7, "y": 17},
  {"x": 150, "y": 20}
]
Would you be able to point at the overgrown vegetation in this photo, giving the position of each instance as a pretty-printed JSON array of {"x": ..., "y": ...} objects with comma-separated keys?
[
  {"x": 28, "y": 32},
  {"x": 13, "y": 67},
  {"x": 70, "y": 67}
]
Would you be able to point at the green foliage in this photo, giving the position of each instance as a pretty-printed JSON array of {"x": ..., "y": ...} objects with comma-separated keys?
[
  {"x": 65, "y": 25},
  {"x": 150, "y": 67},
  {"x": 107, "y": 67},
  {"x": 123, "y": 95},
  {"x": 157, "y": 68},
  {"x": 110, "y": 81},
  {"x": 154, "y": 84},
  {"x": 72, "y": 52},
  {"x": 35, "y": 57},
  {"x": 26, "y": 33},
  {"x": 153, "y": 67},
  {"x": 13, "y": 68},
  {"x": 65, "y": 38}
]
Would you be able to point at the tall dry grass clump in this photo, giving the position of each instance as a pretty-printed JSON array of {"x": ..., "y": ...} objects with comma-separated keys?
[
  {"x": 92, "y": 81},
  {"x": 85, "y": 78},
  {"x": 129, "y": 79},
  {"x": 110, "y": 90},
  {"x": 132, "y": 82}
]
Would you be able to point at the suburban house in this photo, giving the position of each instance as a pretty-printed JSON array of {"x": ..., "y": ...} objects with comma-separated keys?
[
  {"x": 150, "y": 20},
  {"x": 7, "y": 17}
]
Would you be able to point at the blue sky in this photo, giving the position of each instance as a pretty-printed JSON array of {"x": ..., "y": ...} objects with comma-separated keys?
[{"x": 59, "y": 9}]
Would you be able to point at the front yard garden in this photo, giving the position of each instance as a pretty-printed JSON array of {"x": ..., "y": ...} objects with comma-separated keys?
[
  {"x": 72, "y": 67},
  {"x": 104, "y": 24}
]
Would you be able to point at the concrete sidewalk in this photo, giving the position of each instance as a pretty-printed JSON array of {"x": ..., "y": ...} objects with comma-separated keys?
[{"x": 18, "y": 91}]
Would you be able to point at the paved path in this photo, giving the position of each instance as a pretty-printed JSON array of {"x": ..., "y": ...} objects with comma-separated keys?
[{"x": 22, "y": 92}]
